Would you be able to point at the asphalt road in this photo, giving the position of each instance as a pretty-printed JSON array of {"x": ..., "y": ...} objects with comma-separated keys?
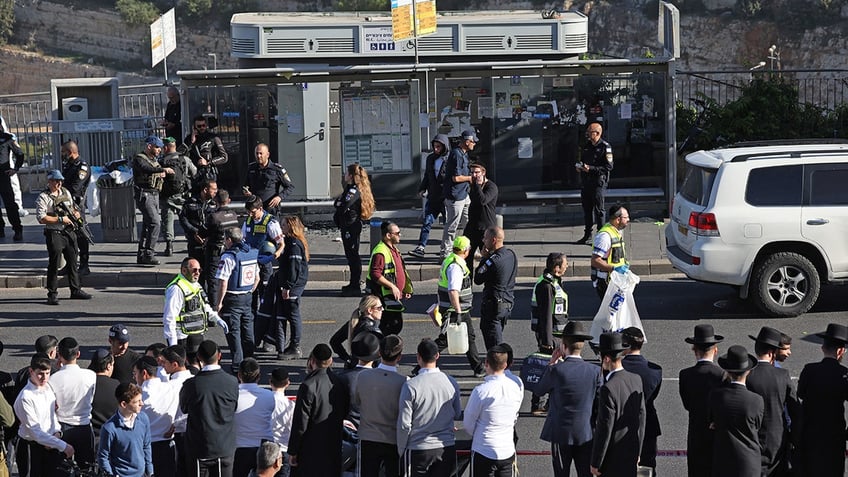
[{"x": 669, "y": 306}]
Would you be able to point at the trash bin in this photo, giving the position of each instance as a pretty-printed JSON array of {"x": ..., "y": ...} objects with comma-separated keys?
[
  {"x": 376, "y": 235},
  {"x": 117, "y": 210}
]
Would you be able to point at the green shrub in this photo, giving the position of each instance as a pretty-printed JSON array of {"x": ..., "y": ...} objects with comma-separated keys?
[{"x": 137, "y": 12}]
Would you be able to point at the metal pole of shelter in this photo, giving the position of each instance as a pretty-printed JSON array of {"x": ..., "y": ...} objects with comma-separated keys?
[{"x": 165, "y": 49}]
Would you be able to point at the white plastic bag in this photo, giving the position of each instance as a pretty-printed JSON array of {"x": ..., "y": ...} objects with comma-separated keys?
[{"x": 618, "y": 308}]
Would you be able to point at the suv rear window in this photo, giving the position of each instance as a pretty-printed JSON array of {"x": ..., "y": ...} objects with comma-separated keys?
[
  {"x": 698, "y": 184},
  {"x": 775, "y": 186}
]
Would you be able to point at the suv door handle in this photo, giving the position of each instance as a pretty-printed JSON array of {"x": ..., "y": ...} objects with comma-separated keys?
[{"x": 817, "y": 222}]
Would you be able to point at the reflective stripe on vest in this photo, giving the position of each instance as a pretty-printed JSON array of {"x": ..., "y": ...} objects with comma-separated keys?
[
  {"x": 465, "y": 293},
  {"x": 192, "y": 317},
  {"x": 617, "y": 254},
  {"x": 257, "y": 232},
  {"x": 559, "y": 307}
]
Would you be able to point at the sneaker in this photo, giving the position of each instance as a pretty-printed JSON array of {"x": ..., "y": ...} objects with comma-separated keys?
[
  {"x": 539, "y": 411},
  {"x": 417, "y": 252},
  {"x": 80, "y": 295},
  {"x": 292, "y": 352},
  {"x": 480, "y": 373},
  {"x": 23, "y": 212},
  {"x": 586, "y": 239}
]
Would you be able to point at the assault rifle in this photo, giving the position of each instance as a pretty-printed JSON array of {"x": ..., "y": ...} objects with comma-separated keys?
[{"x": 77, "y": 223}]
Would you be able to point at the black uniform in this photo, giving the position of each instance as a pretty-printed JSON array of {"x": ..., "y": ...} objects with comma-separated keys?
[
  {"x": 599, "y": 159},
  {"x": 206, "y": 146},
  {"x": 193, "y": 218},
  {"x": 173, "y": 115},
  {"x": 77, "y": 177},
  {"x": 217, "y": 222},
  {"x": 497, "y": 275},
  {"x": 348, "y": 218},
  {"x": 269, "y": 182},
  {"x": 9, "y": 146}
]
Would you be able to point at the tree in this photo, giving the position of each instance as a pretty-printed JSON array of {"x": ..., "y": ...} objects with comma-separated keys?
[
  {"x": 7, "y": 20},
  {"x": 136, "y": 12}
]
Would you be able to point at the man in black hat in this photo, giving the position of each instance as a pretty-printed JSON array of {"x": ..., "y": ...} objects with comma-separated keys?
[
  {"x": 620, "y": 425},
  {"x": 572, "y": 385},
  {"x": 774, "y": 385},
  {"x": 736, "y": 415},
  {"x": 651, "y": 375},
  {"x": 365, "y": 348},
  {"x": 696, "y": 383},
  {"x": 315, "y": 444},
  {"x": 823, "y": 389}
]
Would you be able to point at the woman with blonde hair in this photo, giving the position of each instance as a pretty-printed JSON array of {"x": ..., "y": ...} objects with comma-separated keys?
[
  {"x": 352, "y": 207},
  {"x": 365, "y": 319},
  {"x": 292, "y": 275}
]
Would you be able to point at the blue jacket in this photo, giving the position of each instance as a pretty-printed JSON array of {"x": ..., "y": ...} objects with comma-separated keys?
[
  {"x": 125, "y": 451},
  {"x": 457, "y": 165},
  {"x": 572, "y": 385}
]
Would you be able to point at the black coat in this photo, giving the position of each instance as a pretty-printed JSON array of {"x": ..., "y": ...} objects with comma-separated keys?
[
  {"x": 823, "y": 390},
  {"x": 316, "y": 434},
  {"x": 696, "y": 383},
  {"x": 651, "y": 374},
  {"x": 736, "y": 415},
  {"x": 775, "y": 387},
  {"x": 620, "y": 426},
  {"x": 572, "y": 386},
  {"x": 210, "y": 399}
]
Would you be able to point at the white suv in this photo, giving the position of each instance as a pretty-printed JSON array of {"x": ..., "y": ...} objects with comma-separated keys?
[{"x": 770, "y": 219}]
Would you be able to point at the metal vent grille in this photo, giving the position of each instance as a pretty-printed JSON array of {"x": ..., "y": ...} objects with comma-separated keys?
[
  {"x": 285, "y": 45},
  {"x": 576, "y": 41},
  {"x": 484, "y": 43},
  {"x": 533, "y": 42},
  {"x": 335, "y": 45},
  {"x": 434, "y": 43},
  {"x": 244, "y": 46}
]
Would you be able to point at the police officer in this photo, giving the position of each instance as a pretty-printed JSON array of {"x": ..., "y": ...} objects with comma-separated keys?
[
  {"x": 268, "y": 180},
  {"x": 149, "y": 177},
  {"x": 217, "y": 223},
  {"x": 237, "y": 278},
  {"x": 496, "y": 272},
  {"x": 608, "y": 252},
  {"x": 77, "y": 177},
  {"x": 187, "y": 313},
  {"x": 548, "y": 312},
  {"x": 594, "y": 168},
  {"x": 206, "y": 150},
  {"x": 8, "y": 168},
  {"x": 51, "y": 209},
  {"x": 455, "y": 300},
  {"x": 193, "y": 216},
  {"x": 174, "y": 190}
]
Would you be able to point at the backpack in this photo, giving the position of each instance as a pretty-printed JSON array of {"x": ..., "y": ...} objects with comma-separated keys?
[{"x": 179, "y": 181}]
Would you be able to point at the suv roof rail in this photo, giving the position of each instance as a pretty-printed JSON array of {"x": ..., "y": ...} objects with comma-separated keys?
[
  {"x": 787, "y": 142},
  {"x": 789, "y": 153}
]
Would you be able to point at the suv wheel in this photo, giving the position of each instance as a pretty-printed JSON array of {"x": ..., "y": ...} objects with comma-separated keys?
[{"x": 785, "y": 284}]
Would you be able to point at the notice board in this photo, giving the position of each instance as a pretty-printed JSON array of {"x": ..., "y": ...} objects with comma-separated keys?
[{"x": 376, "y": 127}]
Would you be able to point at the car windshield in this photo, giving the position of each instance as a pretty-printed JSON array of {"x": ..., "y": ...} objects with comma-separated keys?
[{"x": 698, "y": 184}]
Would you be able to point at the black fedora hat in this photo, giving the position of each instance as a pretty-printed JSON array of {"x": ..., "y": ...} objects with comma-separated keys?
[
  {"x": 705, "y": 335},
  {"x": 737, "y": 360},
  {"x": 835, "y": 332},
  {"x": 767, "y": 336},
  {"x": 611, "y": 342},
  {"x": 366, "y": 347},
  {"x": 576, "y": 330}
]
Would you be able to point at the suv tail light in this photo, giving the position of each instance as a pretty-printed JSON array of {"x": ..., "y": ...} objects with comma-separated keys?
[{"x": 703, "y": 224}]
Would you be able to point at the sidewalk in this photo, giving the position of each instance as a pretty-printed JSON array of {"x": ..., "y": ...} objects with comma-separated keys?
[{"x": 531, "y": 231}]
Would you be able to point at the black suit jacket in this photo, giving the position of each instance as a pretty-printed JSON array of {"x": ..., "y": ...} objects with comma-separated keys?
[
  {"x": 316, "y": 433},
  {"x": 651, "y": 374},
  {"x": 775, "y": 387},
  {"x": 736, "y": 414},
  {"x": 210, "y": 400},
  {"x": 696, "y": 383},
  {"x": 620, "y": 427},
  {"x": 572, "y": 386},
  {"x": 823, "y": 390}
]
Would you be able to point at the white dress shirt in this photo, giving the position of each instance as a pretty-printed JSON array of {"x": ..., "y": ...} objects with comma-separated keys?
[
  {"x": 177, "y": 380},
  {"x": 253, "y": 415},
  {"x": 490, "y": 416},
  {"x": 36, "y": 409},
  {"x": 161, "y": 402},
  {"x": 74, "y": 390},
  {"x": 282, "y": 418}
]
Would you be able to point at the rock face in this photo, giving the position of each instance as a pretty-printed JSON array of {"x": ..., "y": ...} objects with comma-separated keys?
[{"x": 714, "y": 34}]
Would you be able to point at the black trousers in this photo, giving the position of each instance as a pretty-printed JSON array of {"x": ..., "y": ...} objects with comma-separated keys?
[
  {"x": 147, "y": 201},
  {"x": 214, "y": 467},
  {"x": 179, "y": 443},
  {"x": 8, "y": 196},
  {"x": 592, "y": 200},
  {"x": 350, "y": 241},
  {"x": 82, "y": 438},
  {"x": 374, "y": 456},
  {"x": 482, "y": 466},
  {"x": 43, "y": 462},
  {"x": 493, "y": 318},
  {"x": 476, "y": 237},
  {"x": 164, "y": 458},
  {"x": 472, "y": 355},
  {"x": 562, "y": 455},
  {"x": 429, "y": 463},
  {"x": 244, "y": 461},
  {"x": 61, "y": 243}
]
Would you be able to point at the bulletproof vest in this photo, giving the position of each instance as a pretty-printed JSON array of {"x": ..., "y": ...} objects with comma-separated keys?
[
  {"x": 219, "y": 221},
  {"x": 175, "y": 183}
]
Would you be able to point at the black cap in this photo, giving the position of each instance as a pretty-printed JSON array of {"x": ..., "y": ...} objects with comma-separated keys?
[{"x": 119, "y": 332}]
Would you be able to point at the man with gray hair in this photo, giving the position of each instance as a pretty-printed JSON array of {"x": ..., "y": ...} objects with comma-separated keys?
[{"x": 236, "y": 278}]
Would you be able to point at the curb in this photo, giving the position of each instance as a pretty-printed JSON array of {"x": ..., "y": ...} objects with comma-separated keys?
[{"x": 155, "y": 277}]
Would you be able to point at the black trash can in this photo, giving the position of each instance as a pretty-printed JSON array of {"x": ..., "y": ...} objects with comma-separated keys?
[{"x": 117, "y": 210}]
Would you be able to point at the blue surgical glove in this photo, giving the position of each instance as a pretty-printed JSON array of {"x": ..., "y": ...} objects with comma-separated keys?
[{"x": 622, "y": 268}]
